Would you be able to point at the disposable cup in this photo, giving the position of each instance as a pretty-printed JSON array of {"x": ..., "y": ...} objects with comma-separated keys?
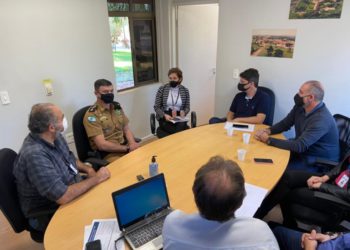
[
  {"x": 241, "y": 154},
  {"x": 246, "y": 138},
  {"x": 229, "y": 131}
]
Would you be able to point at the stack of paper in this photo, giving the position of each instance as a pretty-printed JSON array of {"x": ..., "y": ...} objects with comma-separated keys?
[
  {"x": 179, "y": 119},
  {"x": 252, "y": 201},
  {"x": 105, "y": 230}
]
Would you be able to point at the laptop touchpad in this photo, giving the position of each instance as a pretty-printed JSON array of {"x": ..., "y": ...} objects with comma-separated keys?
[{"x": 158, "y": 242}]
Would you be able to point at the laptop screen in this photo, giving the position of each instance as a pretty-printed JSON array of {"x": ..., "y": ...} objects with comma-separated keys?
[{"x": 139, "y": 200}]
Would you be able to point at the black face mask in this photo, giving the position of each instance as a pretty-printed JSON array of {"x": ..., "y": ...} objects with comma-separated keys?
[
  {"x": 298, "y": 100},
  {"x": 240, "y": 87},
  {"x": 107, "y": 98},
  {"x": 173, "y": 84}
]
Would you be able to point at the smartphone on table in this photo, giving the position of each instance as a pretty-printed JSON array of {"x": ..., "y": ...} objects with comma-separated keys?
[{"x": 263, "y": 160}]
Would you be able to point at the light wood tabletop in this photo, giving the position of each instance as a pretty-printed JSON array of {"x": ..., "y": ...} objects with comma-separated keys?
[{"x": 179, "y": 157}]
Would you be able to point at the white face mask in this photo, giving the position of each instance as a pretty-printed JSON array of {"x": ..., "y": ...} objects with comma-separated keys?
[{"x": 65, "y": 124}]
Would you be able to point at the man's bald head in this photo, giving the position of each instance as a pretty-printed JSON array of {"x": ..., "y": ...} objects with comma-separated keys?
[
  {"x": 315, "y": 88},
  {"x": 219, "y": 189}
]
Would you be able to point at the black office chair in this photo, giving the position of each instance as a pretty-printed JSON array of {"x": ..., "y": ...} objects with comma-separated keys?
[
  {"x": 308, "y": 218},
  {"x": 343, "y": 124},
  {"x": 9, "y": 202},
  {"x": 271, "y": 111},
  {"x": 82, "y": 144},
  {"x": 160, "y": 133}
]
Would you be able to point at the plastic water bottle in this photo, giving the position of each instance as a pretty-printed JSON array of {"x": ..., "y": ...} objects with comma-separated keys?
[{"x": 153, "y": 167}]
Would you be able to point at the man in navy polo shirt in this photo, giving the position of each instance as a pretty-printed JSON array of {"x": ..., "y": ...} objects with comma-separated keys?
[{"x": 250, "y": 105}]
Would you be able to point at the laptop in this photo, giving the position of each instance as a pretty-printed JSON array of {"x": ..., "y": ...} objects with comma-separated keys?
[{"x": 141, "y": 210}]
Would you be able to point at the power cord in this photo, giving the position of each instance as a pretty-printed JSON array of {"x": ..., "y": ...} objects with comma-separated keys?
[{"x": 116, "y": 242}]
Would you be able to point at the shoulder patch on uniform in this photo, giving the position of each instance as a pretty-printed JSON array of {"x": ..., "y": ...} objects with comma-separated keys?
[
  {"x": 91, "y": 118},
  {"x": 117, "y": 105},
  {"x": 93, "y": 108}
]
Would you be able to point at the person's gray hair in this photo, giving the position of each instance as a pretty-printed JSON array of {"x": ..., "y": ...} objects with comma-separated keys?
[
  {"x": 316, "y": 89},
  {"x": 40, "y": 117}
]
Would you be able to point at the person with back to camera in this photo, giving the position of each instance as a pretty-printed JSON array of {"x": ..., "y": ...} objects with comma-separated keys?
[
  {"x": 172, "y": 99},
  {"x": 219, "y": 191}
]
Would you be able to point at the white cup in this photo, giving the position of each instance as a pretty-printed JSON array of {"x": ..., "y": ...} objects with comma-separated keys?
[
  {"x": 246, "y": 138},
  {"x": 229, "y": 131},
  {"x": 241, "y": 154}
]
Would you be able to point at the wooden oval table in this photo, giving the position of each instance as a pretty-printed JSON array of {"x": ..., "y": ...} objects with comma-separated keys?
[{"x": 179, "y": 156}]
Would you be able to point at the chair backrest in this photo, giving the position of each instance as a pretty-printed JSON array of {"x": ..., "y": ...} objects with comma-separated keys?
[
  {"x": 9, "y": 202},
  {"x": 343, "y": 124},
  {"x": 271, "y": 111},
  {"x": 81, "y": 139}
]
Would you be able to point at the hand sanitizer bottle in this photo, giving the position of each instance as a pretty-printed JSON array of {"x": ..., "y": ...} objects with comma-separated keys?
[{"x": 153, "y": 167}]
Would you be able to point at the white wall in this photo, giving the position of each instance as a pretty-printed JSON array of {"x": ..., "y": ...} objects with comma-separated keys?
[
  {"x": 69, "y": 42},
  {"x": 321, "y": 52}
]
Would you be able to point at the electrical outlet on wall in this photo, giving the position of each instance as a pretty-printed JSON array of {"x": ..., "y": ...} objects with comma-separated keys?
[
  {"x": 5, "y": 98},
  {"x": 235, "y": 73}
]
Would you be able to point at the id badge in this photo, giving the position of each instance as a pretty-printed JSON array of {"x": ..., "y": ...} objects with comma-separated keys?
[
  {"x": 343, "y": 179},
  {"x": 73, "y": 168}
]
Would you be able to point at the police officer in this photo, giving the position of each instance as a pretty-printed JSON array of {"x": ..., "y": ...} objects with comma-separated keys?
[{"x": 106, "y": 124}]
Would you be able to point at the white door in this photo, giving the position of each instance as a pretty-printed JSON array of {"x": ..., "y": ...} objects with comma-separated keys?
[{"x": 197, "y": 32}]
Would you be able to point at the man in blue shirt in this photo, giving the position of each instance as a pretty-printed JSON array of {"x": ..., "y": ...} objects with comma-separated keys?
[
  {"x": 289, "y": 239},
  {"x": 46, "y": 172},
  {"x": 316, "y": 133},
  {"x": 218, "y": 191},
  {"x": 250, "y": 105}
]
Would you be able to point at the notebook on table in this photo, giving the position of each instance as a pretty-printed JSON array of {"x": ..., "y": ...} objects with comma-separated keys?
[{"x": 141, "y": 210}]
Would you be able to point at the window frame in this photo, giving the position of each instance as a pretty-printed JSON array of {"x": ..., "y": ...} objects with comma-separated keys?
[{"x": 132, "y": 16}]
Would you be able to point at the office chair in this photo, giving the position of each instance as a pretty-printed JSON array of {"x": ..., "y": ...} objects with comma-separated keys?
[
  {"x": 343, "y": 124},
  {"x": 9, "y": 201},
  {"x": 160, "y": 133},
  {"x": 271, "y": 111},
  {"x": 82, "y": 144},
  {"x": 308, "y": 218}
]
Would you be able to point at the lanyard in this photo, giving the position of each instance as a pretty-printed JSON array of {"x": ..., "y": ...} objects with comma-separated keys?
[
  {"x": 67, "y": 162},
  {"x": 177, "y": 98}
]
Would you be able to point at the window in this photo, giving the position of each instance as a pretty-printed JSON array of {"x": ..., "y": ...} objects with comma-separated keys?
[{"x": 132, "y": 28}]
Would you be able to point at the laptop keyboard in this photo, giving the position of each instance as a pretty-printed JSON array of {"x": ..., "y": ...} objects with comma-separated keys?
[{"x": 146, "y": 233}]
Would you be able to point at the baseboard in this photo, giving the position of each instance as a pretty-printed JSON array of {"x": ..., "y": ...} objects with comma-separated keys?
[{"x": 148, "y": 137}]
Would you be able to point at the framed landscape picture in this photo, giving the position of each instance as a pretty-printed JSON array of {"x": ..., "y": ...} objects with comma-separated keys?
[
  {"x": 315, "y": 9},
  {"x": 273, "y": 43}
]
